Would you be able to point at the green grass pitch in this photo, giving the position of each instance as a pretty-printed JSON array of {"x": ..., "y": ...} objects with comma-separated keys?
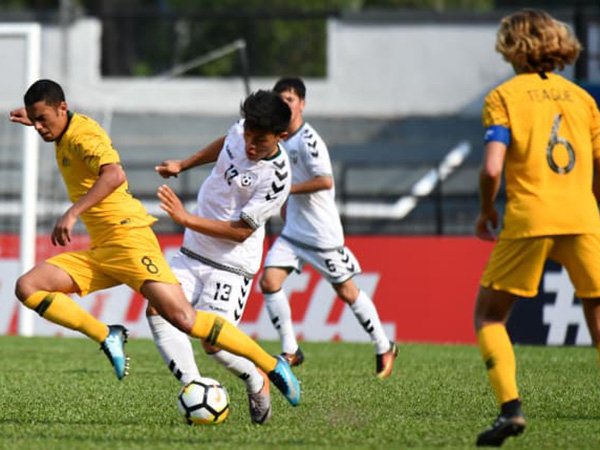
[{"x": 59, "y": 393}]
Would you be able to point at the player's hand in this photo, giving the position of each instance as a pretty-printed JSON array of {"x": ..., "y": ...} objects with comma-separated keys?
[
  {"x": 171, "y": 204},
  {"x": 170, "y": 168},
  {"x": 19, "y": 115},
  {"x": 61, "y": 234},
  {"x": 486, "y": 225}
]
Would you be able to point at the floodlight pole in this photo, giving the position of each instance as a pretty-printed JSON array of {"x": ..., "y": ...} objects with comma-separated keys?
[{"x": 245, "y": 66}]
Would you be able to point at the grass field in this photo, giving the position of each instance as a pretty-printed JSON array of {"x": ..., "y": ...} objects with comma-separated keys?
[{"x": 61, "y": 394}]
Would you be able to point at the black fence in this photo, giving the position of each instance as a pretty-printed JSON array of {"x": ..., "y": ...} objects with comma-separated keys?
[{"x": 450, "y": 209}]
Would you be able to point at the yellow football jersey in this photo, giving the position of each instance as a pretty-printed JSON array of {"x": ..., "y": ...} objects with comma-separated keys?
[
  {"x": 553, "y": 135},
  {"x": 81, "y": 151}
]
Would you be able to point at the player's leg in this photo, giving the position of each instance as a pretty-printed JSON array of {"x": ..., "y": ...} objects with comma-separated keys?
[
  {"x": 491, "y": 312},
  {"x": 280, "y": 312},
  {"x": 144, "y": 268},
  {"x": 281, "y": 259},
  {"x": 365, "y": 312},
  {"x": 256, "y": 381},
  {"x": 170, "y": 302},
  {"x": 580, "y": 255},
  {"x": 226, "y": 293},
  {"x": 339, "y": 266},
  {"x": 591, "y": 309},
  {"x": 173, "y": 345},
  {"x": 514, "y": 269},
  {"x": 137, "y": 260},
  {"x": 44, "y": 290}
]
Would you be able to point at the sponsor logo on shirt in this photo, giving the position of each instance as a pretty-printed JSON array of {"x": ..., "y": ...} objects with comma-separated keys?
[{"x": 247, "y": 179}]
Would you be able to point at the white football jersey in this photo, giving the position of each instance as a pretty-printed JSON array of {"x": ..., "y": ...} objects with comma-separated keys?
[
  {"x": 238, "y": 188},
  {"x": 311, "y": 219}
]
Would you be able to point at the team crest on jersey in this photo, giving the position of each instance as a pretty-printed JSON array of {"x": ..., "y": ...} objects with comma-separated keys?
[
  {"x": 293, "y": 154},
  {"x": 247, "y": 179}
]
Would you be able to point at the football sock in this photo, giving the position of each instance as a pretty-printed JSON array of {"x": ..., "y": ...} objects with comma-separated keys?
[
  {"x": 242, "y": 368},
  {"x": 280, "y": 313},
  {"x": 366, "y": 313},
  {"x": 63, "y": 310},
  {"x": 499, "y": 357},
  {"x": 219, "y": 332},
  {"x": 175, "y": 348},
  {"x": 511, "y": 408}
]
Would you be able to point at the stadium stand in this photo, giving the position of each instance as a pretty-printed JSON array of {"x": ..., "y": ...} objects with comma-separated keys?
[{"x": 373, "y": 160}]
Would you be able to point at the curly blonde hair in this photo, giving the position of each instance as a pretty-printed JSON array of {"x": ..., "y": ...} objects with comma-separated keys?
[{"x": 533, "y": 41}]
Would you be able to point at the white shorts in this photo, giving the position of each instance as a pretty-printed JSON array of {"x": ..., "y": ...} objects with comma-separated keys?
[
  {"x": 210, "y": 289},
  {"x": 336, "y": 266}
]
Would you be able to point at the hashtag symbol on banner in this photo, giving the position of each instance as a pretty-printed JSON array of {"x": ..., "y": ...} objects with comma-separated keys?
[{"x": 564, "y": 312}]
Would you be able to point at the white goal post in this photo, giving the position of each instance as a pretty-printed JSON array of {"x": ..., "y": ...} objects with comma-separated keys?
[{"x": 22, "y": 43}]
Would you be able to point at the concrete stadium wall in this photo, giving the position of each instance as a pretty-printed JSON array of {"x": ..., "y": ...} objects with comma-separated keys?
[{"x": 374, "y": 70}]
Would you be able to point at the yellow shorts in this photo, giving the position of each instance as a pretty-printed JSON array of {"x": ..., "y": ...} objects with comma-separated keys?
[
  {"x": 131, "y": 258},
  {"x": 516, "y": 265}
]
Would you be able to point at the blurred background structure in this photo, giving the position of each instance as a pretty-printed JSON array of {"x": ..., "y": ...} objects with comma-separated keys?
[{"x": 395, "y": 87}]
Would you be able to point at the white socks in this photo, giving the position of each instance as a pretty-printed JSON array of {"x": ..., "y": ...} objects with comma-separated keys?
[
  {"x": 280, "y": 313},
  {"x": 175, "y": 348},
  {"x": 366, "y": 313},
  {"x": 363, "y": 308},
  {"x": 241, "y": 367}
]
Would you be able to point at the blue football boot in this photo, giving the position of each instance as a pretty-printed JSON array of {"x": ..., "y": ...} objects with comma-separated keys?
[
  {"x": 114, "y": 348},
  {"x": 284, "y": 379}
]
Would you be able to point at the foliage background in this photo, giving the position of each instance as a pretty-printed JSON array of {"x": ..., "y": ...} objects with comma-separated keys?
[{"x": 283, "y": 37}]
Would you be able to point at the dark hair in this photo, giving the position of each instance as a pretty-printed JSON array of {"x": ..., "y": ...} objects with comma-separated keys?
[
  {"x": 291, "y": 84},
  {"x": 265, "y": 111},
  {"x": 44, "y": 90}
]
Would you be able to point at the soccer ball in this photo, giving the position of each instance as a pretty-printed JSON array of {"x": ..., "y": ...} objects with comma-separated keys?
[{"x": 203, "y": 401}]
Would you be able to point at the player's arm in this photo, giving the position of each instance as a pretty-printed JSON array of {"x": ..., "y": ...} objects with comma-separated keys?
[
  {"x": 237, "y": 230},
  {"x": 490, "y": 177},
  {"x": 210, "y": 153},
  {"x": 19, "y": 115},
  {"x": 110, "y": 177},
  {"x": 318, "y": 183}
]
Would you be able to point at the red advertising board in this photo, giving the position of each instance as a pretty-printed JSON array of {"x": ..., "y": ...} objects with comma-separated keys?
[{"x": 423, "y": 287}]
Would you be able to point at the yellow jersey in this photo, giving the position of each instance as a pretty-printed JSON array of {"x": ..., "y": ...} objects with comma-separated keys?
[
  {"x": 552, "y": 129},
  {"x": 83, "y": 148}
]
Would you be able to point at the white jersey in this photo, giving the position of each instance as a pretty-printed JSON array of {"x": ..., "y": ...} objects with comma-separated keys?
[
  {"x": 311, "y": 219},
  {"x": 238, "y": 188}
]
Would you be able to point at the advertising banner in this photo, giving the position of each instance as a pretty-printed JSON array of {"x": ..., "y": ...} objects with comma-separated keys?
[{"x": 424, "y": 289}]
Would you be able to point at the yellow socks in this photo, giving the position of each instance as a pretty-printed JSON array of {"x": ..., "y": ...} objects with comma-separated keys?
[
  {"x": 63, "y": 310},
  {"x": 499, "y": 357},
  {"x": 218, "y": 331}
]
